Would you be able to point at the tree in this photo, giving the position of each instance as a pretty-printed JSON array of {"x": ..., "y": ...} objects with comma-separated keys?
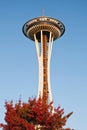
[{"x": 34, "y": 115}]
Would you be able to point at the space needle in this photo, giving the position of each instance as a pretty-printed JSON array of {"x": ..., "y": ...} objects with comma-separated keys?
[{"x": 43, "y": 31}]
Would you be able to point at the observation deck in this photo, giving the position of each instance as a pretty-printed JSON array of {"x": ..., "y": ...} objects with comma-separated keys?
[{"x": 47, "y": 24}]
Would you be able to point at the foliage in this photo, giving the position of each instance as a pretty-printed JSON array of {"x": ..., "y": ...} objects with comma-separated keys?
[{"x": 34, "y": 115}]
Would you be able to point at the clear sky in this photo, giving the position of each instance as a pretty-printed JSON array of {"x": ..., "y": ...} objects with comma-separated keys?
[{"x": 18, "y": 59}]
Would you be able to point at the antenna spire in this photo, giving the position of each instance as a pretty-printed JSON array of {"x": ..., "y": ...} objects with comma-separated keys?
[{"x": 43, "y": 12}]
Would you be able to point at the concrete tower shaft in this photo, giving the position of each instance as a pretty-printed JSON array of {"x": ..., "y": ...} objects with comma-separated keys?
[{"x": 44, "y": 30}]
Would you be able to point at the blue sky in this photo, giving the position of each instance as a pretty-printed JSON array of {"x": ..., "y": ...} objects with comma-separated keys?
[{"x": 18, "y": 60}]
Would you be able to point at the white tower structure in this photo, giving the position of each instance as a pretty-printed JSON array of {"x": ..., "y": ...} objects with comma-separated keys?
[{"x": 44, "y": 30}]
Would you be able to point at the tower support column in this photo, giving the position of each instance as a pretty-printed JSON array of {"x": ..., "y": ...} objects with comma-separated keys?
[{"x": 44, "y": 49}]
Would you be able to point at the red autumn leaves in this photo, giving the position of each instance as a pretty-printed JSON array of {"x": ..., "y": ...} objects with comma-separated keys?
[{"x": 34, "y": 115}]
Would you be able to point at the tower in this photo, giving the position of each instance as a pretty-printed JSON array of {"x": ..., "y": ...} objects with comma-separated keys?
[{"x": 43, "y": 31}]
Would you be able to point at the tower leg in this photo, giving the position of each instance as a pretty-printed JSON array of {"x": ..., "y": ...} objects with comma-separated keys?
[{"x": 44, "y": 49}]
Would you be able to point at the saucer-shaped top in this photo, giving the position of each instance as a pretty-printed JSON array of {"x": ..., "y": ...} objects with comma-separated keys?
[{"x": 46, "y": 24}]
